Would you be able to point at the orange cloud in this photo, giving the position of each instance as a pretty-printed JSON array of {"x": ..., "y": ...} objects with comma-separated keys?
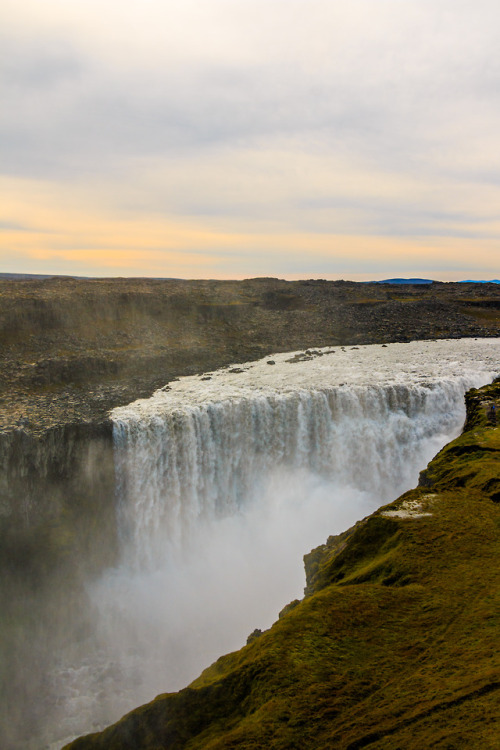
[{"x": 56, "y": 228}]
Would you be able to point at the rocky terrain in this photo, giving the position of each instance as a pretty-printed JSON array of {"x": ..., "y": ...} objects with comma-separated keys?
[
  {"x": 71, "y": 349},
  {"x": 395, "y": 644}
]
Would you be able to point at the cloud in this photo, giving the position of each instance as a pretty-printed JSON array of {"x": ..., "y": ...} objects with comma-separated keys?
[
  {"x": 253, "y": 118},
  {"x": 384, "y": 78},
  {"x": 72, "y": 233}
]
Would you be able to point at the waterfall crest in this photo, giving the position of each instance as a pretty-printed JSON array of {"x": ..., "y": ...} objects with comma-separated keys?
[
  {"x": 207, "y": 448},
  {"x": 208, "y": 461}
]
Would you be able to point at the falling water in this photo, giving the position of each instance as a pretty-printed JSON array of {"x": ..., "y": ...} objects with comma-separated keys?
[
  {"x": 190, "y": 465},
  {"x": 225, "y": 481}
]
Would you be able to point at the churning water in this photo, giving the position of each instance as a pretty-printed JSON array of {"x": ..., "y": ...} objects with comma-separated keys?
[{"x": 225, "y": 480}]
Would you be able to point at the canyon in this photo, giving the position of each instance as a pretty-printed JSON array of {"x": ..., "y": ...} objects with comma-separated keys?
[{"x": 75, "y": 350}]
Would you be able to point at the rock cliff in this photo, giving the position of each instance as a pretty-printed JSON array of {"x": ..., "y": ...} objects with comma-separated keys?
[{"x": 395, "y": 643}]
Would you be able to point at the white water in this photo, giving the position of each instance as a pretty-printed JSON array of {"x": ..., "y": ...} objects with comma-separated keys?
[{"x": 224, "y": 484}]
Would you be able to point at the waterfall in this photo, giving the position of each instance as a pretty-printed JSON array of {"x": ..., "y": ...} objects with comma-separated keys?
[
  {"x": 181, "y": 468},
  {"x": 210, "y": 447},
  {"x": 225, "y": 480}
]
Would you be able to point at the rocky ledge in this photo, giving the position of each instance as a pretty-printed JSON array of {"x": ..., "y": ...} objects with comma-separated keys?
[{"x": 394, "y": 645}]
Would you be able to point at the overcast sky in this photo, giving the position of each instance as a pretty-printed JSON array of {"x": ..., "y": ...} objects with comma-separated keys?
[{"x": 348, "y": 139}]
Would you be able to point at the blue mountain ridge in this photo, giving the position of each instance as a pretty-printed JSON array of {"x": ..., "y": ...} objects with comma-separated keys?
[
  {"x": 403, "y": 281},
  {"x": 431, "y": 281}
]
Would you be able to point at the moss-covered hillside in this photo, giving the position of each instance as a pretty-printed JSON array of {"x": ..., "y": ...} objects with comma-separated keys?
[{"x": 395, "y": 644}]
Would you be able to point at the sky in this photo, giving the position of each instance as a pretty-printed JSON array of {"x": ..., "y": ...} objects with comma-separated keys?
[{"x": 355, "y": 139}]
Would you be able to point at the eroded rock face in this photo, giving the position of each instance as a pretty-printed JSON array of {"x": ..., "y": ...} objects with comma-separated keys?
[
  {"x": 57, "y": 531},
  {"x": 58, "y": 483}
]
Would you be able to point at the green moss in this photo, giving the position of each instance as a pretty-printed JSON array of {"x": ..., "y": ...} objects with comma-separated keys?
[
  {"x": 472, "y": 460},
  {"x": 367, "y": 550}
]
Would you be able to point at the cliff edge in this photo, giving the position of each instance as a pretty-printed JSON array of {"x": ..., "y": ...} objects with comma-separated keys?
[
  {"x": 394, "y": 645},
  {"x": 72, "y": 349}
]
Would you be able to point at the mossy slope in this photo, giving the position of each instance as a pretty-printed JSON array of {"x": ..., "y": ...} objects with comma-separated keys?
[{"x": 394, "y": 646}]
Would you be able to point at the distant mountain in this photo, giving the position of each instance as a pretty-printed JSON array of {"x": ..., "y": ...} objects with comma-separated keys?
[
  {"x": 42, "y": 276},
  {"x": 481, "y": 281},
  {"x": 404, "y": 281},
  {"x": 36, "y": 276}
]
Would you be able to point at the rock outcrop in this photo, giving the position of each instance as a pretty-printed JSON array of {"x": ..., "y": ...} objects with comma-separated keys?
[{"x": 394, "y": 645}]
